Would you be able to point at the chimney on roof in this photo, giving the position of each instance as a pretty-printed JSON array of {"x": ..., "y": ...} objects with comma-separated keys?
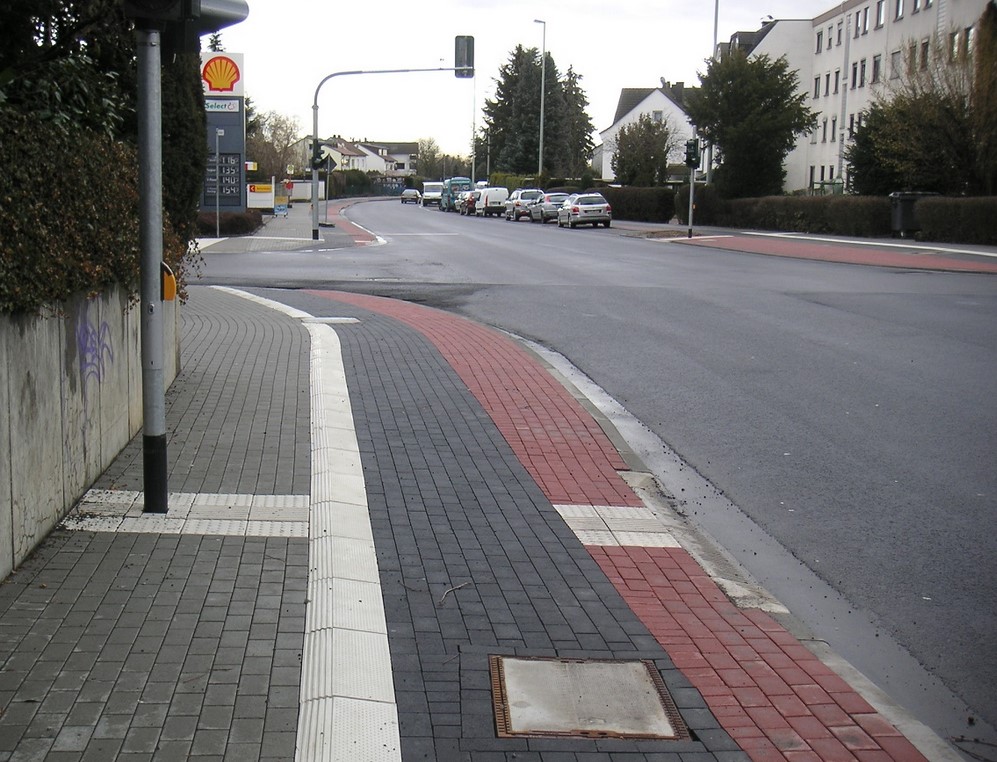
[{"x": 677, "y": 89}]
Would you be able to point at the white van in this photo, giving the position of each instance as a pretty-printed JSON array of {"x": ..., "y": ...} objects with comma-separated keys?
[
  {"x": 432, "y": 193},
  {"x": 492, "y": 201}
]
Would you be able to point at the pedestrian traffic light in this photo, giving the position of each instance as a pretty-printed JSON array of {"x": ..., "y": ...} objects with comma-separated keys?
[
  {"x": 463, "y": 56},
  {"x": 692, "y": 153}
]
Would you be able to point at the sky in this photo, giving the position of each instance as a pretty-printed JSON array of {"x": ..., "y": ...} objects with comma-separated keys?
[{"x": 291, "y": 45}]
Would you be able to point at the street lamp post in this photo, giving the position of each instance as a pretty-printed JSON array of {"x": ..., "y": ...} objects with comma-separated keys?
[{"x": 543, "y": 86}]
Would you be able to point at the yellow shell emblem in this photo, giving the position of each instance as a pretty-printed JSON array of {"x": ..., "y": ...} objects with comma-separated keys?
[{"x": 221, "y": 74}]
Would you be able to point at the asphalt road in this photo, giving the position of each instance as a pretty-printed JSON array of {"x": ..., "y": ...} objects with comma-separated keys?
[{"x": 847, "y": 410}]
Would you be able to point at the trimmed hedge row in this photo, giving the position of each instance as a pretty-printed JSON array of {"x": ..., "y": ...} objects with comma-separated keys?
[
  {"x": 957, "y": 220},
  {"x": 641, "y": 204},
  {"x": 68, "y": 213},
  {"x": 938, "y": 218},
  {"x": 229, "y": 223}
]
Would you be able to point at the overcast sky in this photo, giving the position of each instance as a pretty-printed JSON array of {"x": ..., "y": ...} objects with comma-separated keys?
[{"x": 291, "y": 45}]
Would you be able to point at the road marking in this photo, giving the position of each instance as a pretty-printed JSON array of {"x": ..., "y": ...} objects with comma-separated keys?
[{"x": 877, "y": 244}]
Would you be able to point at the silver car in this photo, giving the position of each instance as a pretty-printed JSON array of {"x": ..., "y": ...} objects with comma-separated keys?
[
  {"x": 545, "y": 208},
  {"x": 585, "y": 209},
  {"x": 517, "y": 205}
]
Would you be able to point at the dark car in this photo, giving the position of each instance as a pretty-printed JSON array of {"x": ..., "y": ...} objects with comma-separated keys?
[
  {"x": 545, "y": 208},
  {"x": 411, "y": 195}
]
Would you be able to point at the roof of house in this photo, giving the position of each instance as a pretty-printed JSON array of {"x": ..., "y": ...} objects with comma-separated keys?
[{"x": 631, "y": 97}]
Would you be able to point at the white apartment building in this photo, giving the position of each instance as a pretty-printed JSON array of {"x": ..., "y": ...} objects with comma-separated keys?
[{"x": 855, "y": 50}]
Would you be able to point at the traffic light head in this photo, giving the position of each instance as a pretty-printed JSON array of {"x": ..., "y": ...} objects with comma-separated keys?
[
  {"x": 463, "y": 56},
  {"x": 692, "y": 153}
]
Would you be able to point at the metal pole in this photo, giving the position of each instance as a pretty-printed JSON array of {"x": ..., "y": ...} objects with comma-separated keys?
[
  {"x": 315, "y": 125},
  {"x": 314, "y": 168},
  {"x": 543, "y": 77},
  {"x": 150, "y": 164},
  {"x": 218, "y": 183},
  {"x": 713, "y": 55}
]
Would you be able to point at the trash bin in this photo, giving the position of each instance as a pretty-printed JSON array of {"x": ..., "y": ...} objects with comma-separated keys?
[{"x": 902, "y": 218}]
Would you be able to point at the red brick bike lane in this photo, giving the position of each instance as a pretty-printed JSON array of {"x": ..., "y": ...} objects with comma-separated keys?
[
  {"x": 767, "y": 690},
  {"x": 878, "y": 254}
]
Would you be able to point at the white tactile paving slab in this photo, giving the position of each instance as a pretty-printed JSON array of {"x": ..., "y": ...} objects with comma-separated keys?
[
  {"x": 612, "y": 526},
  {"x": 348, "y": 709},
  {"x": 189, "y": 513}
]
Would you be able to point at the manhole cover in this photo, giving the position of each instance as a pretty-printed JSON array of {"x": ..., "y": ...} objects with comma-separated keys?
[{"x": 582, "y": 697}]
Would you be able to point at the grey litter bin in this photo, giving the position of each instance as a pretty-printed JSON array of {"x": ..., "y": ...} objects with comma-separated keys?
[{"x": 902, "y": 219}]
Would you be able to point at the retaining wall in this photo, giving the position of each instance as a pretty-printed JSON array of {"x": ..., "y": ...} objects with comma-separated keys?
[{"x": 70, "y": 400}]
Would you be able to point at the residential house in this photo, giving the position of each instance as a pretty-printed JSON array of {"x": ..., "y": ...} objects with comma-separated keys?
[
  {"x": 662, "y": 104},
  {"x": 847, "y": 57}
]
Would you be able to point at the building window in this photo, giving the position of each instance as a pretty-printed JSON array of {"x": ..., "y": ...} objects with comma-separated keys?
[
  {"x": 896, "y": 63},
  {"x": 880, "y": 13},
  {"x": 820, "y": 41},
  {"x": 877, "y": 67},
  {"x": 837, "y": 81},
  {"x": 830, "y": 33},
  {"x": 657, "y": 116},
  {"x": 858, "y": 23},
  {"x": 834, "y": 129},
  {"x": 862, "y": 73},
  {"x": 917, "y": 6},
  {"x": 822, "y": 173},
  {"x": 855, "y": 75},
  {"x": 827, "y": 84},
  {"x": 970, "y": 40},
  {"x": 865, "y": 20},
  {"x": 813, "y": 170},
  {"x": 928, "y": 3},
  {"x": 841, "y": 26},
  {"x": 851, "y": 125},
  {"x": 816, "y": 87},
  {"x": 925, "y": 52},
  {"x": 823, "y": 138},
  {"x": 899, "y": 14},
  {"x": 953, "y": 45}
]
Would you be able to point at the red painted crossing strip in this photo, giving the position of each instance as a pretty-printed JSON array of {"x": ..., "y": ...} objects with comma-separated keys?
[{"x": 769, "y": 692}]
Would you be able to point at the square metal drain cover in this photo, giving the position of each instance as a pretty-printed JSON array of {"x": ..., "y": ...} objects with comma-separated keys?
[{"x": 593, "y": 698}]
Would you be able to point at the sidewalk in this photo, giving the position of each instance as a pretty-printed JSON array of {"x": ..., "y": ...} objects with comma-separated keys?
[{"x": 383, "y": 517}]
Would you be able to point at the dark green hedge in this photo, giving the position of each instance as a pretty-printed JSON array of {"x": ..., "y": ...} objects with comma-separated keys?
[
  {"x": 68, "y": 213},
  {"x": 229, "y": 223},
  {"x": 641, "y": 204},
  {"x": 957, "y": 220}
]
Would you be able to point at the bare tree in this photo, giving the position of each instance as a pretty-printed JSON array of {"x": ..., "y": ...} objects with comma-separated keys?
[{"x": 271, "y": 144}]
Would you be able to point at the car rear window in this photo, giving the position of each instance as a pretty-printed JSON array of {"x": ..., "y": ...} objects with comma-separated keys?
[{"x": 590, "y": 200}]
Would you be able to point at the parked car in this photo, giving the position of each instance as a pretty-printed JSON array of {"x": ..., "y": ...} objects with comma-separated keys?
[
  {"x": 519, "y": 199},
  {"x": 585, "y": 209},
  {"x": 545, "y": 208},
  {"x": 467, "y": 202},
  {"x": 411, "y": 195},
  {"x": 492, "y": 201}
]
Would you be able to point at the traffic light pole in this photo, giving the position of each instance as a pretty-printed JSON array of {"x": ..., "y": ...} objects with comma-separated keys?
[
  {"x": 315, "y": 139},
  {"x": 150, "y": 164}
]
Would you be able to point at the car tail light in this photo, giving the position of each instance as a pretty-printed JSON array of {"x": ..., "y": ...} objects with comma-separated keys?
[
  {"x": 575, "y": 209},
  {"x": 609, "y": 208}
]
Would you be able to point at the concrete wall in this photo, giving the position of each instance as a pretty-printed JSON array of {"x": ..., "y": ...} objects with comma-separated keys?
[{"x": 70, "y": 399}]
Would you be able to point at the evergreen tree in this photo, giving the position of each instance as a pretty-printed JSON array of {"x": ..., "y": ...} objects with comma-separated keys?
[
  {"x": 512, "y": 118},
  {"x": 752, "y": 111}
]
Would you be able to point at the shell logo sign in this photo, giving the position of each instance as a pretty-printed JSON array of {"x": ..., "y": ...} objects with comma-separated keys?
[{"x": 221, "y": 73}]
